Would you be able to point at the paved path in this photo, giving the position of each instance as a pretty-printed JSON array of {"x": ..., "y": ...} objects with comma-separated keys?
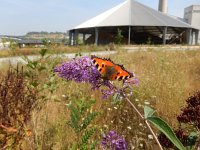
[
  {"x": 167, "y": 47},
  {"x": 17, "y": 59},
  {"x": 129, "y": 49}
]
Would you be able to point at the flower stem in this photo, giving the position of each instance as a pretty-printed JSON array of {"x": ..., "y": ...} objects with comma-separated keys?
[{"x": 146, "y": 122}]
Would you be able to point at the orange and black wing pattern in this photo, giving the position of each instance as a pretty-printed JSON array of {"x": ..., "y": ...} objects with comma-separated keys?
[{"x": 109, "y": 70}]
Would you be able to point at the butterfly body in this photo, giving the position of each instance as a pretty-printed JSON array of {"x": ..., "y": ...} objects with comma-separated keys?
[{"x": 109, "y": 70}]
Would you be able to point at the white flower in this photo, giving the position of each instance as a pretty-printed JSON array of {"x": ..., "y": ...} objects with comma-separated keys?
[
  {"x": 136, "y": 100},
  {"x": 105, "y": 126},
  {"x": 150, "y": 137},
  {"x": 153, "y": 96},
  {"x": 109, "y": 109},
  {"x": 64, "y": 96},
  {"x": 147, "y": 103},
  {"x": 141, "y": 145}
]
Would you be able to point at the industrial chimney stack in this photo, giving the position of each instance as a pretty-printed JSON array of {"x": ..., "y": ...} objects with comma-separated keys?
[{"x": 162, "y": 7}]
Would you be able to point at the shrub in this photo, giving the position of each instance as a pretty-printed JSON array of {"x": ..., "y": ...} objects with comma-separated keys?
[{"x": 16, "y": 103}]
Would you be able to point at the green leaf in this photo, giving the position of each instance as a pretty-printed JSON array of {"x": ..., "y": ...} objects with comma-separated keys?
[
  {"x": 78, "y": 54},
  {"x": 74, "y": 118},
  {"x": 45, "y": 86},
  {"x": 192, "y": 139},
  {"x": 164, "y": 127},
  {"x": 41, "y": 68},
  {"x": 88, "y": 119},
  {"x": 34, "y": 83},
  {"x": 148, "y": 112},
  {"x": 43, "y": 52},
  {"x": 116, "y": 98},
  {"x": 32, "y": 64},
  {"x": 87, "y": 135},
  {"x": 83, "y": 106},
  {"x": 74, "y": 147},
  {"x": 93, "y": 145}
]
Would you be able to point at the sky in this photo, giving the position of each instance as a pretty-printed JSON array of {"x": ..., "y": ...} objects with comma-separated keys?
[{"x": 17, "y": 17}]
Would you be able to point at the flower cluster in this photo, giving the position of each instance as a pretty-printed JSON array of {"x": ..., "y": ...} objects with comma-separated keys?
[
  {"x": 191, "y": 113},
  {"x": 113, "y": 141},
  {"x": 83, "y": 70}
]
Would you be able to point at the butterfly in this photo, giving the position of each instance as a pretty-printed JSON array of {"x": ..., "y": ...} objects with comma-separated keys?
[{"x": 109, "y": 70}]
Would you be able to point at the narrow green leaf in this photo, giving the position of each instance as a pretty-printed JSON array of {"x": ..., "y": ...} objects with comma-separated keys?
[
  {"x": 93, "y": 145},
  {"x": 74, "y": 147},
  {"x": 88, "y": 119},
  {"x": 87, "y": 135},
  {"x": 74, "y": 118},
  {"x": 43, "y": 52},
  {"x": 164, "y": 127},
  {"x": 41, "y": 68},
  {"x": 148, "y": 112}
]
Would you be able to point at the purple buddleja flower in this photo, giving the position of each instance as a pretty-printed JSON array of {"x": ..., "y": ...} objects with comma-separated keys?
[
  {"x": 107, "y": 93},
  {"x": 113, "y": 141},
  {"x": 126, "y": 90},
  {"x": 82, "y": 69}
]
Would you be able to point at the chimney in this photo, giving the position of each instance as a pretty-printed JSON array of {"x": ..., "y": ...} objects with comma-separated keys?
[{"x": 162, "y": 7}]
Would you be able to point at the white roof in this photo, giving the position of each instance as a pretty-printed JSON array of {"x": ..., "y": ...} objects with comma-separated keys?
[{"x": 132, "y": 13}]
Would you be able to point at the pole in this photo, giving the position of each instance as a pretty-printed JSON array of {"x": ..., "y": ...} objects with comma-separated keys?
[
  {"x": 96, "y": 36},
  {"x": 129, "y": 35},
  {"x": 189, "y": 36},
  {"x": 164, "y": 35}
]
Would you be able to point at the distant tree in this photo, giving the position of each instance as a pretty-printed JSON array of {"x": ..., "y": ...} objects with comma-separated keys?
[
  {"x": 46, "y": 41},
  {"x": 44, "y": 32},
  {"x": 119, "y": 37},
  {"x": 64, "y": 40}
]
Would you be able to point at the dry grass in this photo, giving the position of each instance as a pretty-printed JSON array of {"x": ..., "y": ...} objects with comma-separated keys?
[
  {"x": 54, "y": 49},
  {"x": 166, "y": 78}
]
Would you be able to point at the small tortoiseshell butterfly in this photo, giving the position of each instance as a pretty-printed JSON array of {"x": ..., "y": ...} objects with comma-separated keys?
[{"x": 109, "y": 70}]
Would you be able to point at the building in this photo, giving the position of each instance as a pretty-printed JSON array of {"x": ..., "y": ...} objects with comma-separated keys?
[
  {"x": 192, "y": 16},
  {"x": 30, "y": 42},
  {"x": 139, "y": 24}
]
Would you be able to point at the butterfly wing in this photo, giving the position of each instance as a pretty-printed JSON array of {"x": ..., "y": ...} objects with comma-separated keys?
[
  {"x": 109, "y": 70},
  {"x": 121, "y": 73},
  {"x": 102, "y": 65}
]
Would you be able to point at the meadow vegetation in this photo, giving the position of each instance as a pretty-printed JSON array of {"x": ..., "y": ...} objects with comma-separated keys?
[
  {"x": 53, "y": 48},
  {"x": 166, "y": 80}
]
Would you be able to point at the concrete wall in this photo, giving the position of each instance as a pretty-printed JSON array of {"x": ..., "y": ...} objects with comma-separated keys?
[{"x": 192, "y": 16}]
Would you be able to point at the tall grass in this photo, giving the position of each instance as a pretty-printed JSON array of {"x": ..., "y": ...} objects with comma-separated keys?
[{"x": 166, "y": 79}]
